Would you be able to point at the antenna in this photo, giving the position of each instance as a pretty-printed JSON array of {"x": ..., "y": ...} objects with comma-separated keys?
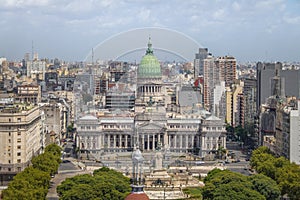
[
  {"x": 32, "y": 50},
  {"x": 93, "y": 57}
]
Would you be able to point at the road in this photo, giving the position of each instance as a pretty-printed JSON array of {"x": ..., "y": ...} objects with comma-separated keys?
[{"x": 67, "y": 169}]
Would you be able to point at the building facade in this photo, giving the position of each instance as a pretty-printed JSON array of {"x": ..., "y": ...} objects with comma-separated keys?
[
  {"x": 154, "y": 122},
  {"x": 21, "y": 138}
]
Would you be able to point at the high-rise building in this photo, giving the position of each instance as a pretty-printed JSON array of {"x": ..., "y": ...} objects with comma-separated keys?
[
  {"x": 227, "y": 69},
  {"x": 294, "y": 136},
  {"x": 36, "y": 69},
  {"x": 209, "y": 81},
  {"x": 216, "y": 71},
  {"x": 235, "y": 104},
  {"x": 21, "y": 138},
  {"x": 198, "y": 62},
  {"x": 250, "y": 100}
]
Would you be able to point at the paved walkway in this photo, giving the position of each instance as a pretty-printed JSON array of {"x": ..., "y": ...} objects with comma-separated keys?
[{"x": 62, "y": 175}]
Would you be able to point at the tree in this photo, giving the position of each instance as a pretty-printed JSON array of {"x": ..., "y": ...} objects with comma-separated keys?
[
  {"x": 265, "y": 186},
  {"x": 46, "y": 162},
  {"x": 288, "y": 180},
  {"x": 54, "y": 149},
  {"x": 105, "y": 184},
  {"x": 228, "y": 185},
  {"x": 286, "y": 174},
  {"x": 236, "y": 191},
  {"x": 34, "y": 181}
]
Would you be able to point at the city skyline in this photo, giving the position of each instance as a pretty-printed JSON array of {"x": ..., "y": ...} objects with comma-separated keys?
[{"x": 249, "y": 30}]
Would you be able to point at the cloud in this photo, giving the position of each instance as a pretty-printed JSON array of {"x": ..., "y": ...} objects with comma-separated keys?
[
  {"x": 236, "y": 6},
  {"x": 144, "y": 15},
  {"x": 23, "y": 3},
  {"x": 269, "y": 4},
  {"x": 292, "y": 20}
]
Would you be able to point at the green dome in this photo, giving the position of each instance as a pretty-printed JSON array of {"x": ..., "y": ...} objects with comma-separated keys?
[{"x": 149, "y": 65}]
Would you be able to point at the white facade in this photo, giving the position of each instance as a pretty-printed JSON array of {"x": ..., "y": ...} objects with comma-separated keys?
[
  {"x": 295, "y": 135},
  {"x": 21, "y": 137},
  {"x": 212, "y": 136}
]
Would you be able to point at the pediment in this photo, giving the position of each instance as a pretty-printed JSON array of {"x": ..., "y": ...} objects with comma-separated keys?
[{"x": 150, "y": 126}]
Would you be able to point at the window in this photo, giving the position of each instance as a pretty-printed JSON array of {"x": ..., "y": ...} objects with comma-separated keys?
[
  {"x": 19, "y": 147},
  {"x": 19, "y": 154},
  {"x": 9, "y": 141},
  {"x": 19, "y": 119},
  {"x": 9, "y": 169},
  {"x": 19, "y": 140},
  {"x": 19, "y": 161},
  {"x": 8, "y": 161},
  {"x": 9, "y": 119},
  {"x": 19, "y": 169},
  {"x": 9, "y": 134},
  {"x": 19, "y": 133}
]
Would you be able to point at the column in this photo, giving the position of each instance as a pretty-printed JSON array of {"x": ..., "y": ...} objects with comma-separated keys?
[
  {"x": 143, "y": 141},
  {"x": 120, "y": 141},
  {"x": 186, "y": 141},
  {"x": 126, "y": 140},
  {"x": 148, "y": 143},
  {"x": 193, "y": 138},
  {"x": 158, "y": 137},
  {"x": 108, "y": 140},
  {"x": 169, "y": 141},
  {"x": 115, "y": 141},
  {"x": 175, "y": 141},
  {"x": 180, "y": 144},
  {"x": 153, "y": 142},
  {"x": 204, "y": 146}
]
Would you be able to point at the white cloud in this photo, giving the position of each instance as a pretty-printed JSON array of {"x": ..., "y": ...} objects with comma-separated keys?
[
  {"x": 269, "y": 4},
  {"x": 23, "y": 3},
  {"x": 292, "y": 20},
  {"x": 219, "y": 14},
  {"x": 236, "y": 6},
  {"x": 144, "y": 14}
]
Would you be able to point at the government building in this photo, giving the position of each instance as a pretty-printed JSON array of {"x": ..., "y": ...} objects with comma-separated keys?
[{"x": 156, "y": 120}]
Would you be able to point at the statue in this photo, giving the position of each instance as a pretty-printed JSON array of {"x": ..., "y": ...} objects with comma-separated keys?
[{"x": 158, "y": 157}]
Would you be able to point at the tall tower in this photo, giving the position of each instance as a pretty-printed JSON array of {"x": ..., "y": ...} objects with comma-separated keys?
[
  {"x": 227, "y": 69},
  {"x": 199, "y": 62},
  {"x": 137, "y": 180}
]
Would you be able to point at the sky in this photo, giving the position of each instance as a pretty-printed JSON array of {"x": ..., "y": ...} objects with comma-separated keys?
[{"x": 250, "y": 30}]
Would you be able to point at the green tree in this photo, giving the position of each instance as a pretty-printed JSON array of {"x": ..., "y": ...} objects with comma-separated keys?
[
  {"x": 46, "y": 162},
  {"x": 228, "y": 185},
  {"x": 288, "y": 180},
  {"x": 286, "y": 174},
  {"x": 105, "y": 184},
  {"x": 236, "y": 191},
  {"x": 80, "y": 192},
  {"x": 265, "y": 186},
  {"x": 54, "y": 149}
]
